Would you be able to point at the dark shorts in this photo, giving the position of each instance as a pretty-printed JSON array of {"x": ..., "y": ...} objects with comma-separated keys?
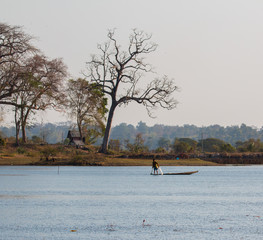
[{"x": 155, "y": 168}]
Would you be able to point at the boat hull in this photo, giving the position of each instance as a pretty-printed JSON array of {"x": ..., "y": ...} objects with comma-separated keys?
[{"x": 180, "y": 173}]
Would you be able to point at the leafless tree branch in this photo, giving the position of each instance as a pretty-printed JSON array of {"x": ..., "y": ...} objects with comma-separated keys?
[{"x": 119, "y": 74}]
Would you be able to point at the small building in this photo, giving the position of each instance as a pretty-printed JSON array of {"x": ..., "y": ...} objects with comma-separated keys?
[{"x": 75, "y": 139}]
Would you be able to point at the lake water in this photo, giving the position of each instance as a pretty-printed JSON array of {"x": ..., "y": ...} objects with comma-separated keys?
[{"x": 112, "y": 202}]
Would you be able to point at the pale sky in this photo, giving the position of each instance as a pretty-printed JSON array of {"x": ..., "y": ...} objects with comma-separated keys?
[{"x": 213, "y": 49}]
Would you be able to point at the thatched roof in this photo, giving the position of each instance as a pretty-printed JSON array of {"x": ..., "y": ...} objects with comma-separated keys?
[
  {"x": 75, "y": 138},
  {"x": 73, "y": 134}
]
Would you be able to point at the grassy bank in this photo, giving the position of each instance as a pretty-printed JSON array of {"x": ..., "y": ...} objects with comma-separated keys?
[
  {"x": 65, "y": 155},
  {"x": 111, "y": 161}
]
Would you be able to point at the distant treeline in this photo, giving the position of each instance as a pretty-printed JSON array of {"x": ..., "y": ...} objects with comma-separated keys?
[
  {"x": 49, "y": 133},
  {"x": 152, "y": 135}
]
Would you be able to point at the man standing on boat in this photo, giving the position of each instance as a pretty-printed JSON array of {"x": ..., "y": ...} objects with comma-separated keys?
[{"x": 155, "y": 166}]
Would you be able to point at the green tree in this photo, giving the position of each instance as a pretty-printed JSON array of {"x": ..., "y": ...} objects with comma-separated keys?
[
  {"x": 191, "y": 142},
  {"x": 184, "y": 145},
  {"x": 92, "y": 133},
  {"x": 227, "y": 147},
  {"x": 164, "y": 143},
  {"x": 87, "y": 107},
  {"x": 181, "y": 147},
  {"x": 42, "y": 82},
  {"x": 250, "y": 145},
  {"x": 211, "y": 144},
  {"x": 138, "y": 145}
]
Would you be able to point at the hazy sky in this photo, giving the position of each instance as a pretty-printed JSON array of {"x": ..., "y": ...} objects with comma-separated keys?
[{"x": 212, "y": 48}]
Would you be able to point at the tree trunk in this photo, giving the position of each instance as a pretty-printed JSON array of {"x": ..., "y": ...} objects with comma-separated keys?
[
  {"x": 24, "y": 117},
  {"x": 24, "y": 133},
  {"x": 17, "y": 132},
  {"x": 105, "y": 142},
  {"x": 79, "y": 123},
  {"x": 17, "y": 122}
]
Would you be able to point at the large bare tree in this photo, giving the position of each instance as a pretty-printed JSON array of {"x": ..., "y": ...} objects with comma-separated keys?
[
  {"x": 15, "y": 47},
  {"x": 121, "y": 75}
]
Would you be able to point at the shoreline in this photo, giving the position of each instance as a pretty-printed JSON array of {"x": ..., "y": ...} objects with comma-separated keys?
[
  {"x": 108, "y": 161},
  {"x": 61, "y": 155},
  {"x": 121, "y": 163}
]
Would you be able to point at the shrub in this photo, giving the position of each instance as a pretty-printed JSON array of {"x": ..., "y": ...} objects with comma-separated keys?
[
  {"x": 36, "y": 139},
  {"x": 160, "y": 150},
  {"x": 49, "y": 151},
  {"x": 114, "y": 145},
  {"x": 21, "y": 150},
  {"x": 227, "y": 147},
  {"x": 2, "y": 142}
]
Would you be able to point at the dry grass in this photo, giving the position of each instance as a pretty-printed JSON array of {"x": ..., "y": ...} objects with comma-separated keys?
[
  {"x": 64, "y": 155},
  {"x": 148, "y": 162},
  {"x": 11, "y": 156}
]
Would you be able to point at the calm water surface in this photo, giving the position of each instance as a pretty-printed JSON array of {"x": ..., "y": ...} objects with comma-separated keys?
[{"x": 112, "y": 202}]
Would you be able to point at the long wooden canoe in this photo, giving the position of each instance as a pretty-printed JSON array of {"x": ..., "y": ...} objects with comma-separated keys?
[{"x": 180, "y": 173}]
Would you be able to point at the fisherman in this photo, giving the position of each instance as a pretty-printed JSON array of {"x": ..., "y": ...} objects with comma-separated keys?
[{"x": 155, "y": 166}]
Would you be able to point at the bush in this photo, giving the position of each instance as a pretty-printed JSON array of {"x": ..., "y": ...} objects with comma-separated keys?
[
  {"x": 138, "y": 145},
  {"x": 211, "y": 144},
  {"x": 2, "y": 142},
  {"x": 160, "y": 150},
  {"x": 227, "y": 148},
  {"x": 114, "y": 145},
  {"x": 21, "y": 150},
  {"x": 49, "y": 151},
  {"x": 36, "y": 139}
]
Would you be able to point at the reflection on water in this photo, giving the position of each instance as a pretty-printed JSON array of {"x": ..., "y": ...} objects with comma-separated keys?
[
  {"x": 17, "y": 196},
  {"x": 12, "y": 175},
  {"x": 113, "y": 202}
]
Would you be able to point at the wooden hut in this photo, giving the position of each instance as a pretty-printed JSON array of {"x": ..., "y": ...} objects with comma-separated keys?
[{"x": 75, "y": 139}]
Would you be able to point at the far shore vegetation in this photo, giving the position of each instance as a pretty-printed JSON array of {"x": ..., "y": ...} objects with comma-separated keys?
[
  {"x": 52, "y": 155},
  {"x": 63, "y": 154}
]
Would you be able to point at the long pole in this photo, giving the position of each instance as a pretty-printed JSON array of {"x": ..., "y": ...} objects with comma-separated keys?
[{"x": 202, "y": 135}]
